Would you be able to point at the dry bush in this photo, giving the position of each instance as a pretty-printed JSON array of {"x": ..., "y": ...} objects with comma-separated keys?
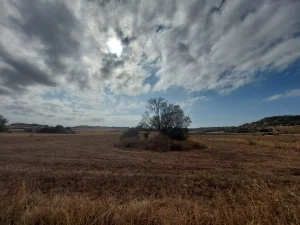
[
  {"x": 130, "y": 143},
  {"x": 186, "y": 145},
  {"x": 160, "y": 143},
  {"x": 251, "y": 142},
  {"x": 130, "y": 133}
]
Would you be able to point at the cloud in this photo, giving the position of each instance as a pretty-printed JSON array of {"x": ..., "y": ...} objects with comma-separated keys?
[
  {"x": 20, "y": 73},
  {"x": 198, "y": 45},
  {"x": 64, "y": 43},
  {"x": 191, "y": 101},
  {"x": 98, "y": 119},
  {"x": 201, "y": 45},
  {"x": 71, "y": 109},
  {"x": 288, "y": 94}
]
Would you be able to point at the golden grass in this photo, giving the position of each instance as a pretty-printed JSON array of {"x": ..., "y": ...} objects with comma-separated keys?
[
  {"x": 83, "y": 179},
  {"x": 250, "y": 205},
  {"x": 99, "y": 132},
  {"x": 295, "y": 129},
  {"x": 276, "y": 141}
]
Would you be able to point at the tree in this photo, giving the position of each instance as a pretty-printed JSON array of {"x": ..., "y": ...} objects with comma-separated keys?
[
  {"x": 3, "y": 122},
  {"x": 165, "y": 117}
]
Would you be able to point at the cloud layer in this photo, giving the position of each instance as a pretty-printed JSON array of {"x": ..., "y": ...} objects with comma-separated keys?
[
  {"x": 199, "y": 45},
  {"x": 288, "y": 94},
  {"x": 196, "y": 44}
]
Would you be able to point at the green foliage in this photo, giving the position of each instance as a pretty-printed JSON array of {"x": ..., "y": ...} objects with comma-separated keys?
[
  {"x": 263, "y": 125},
  {"x": 3, "y": 123},
  {"x": 169, "y": 119},
  {"x": 266, "y": 130},
  {"x": 287, "y": 120},
  {"x": 162, "y": 115},
  {"x": 242, "y": 130}
]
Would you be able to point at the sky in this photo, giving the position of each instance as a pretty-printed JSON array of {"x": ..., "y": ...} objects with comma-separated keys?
[{"x": 97, "y": 62}]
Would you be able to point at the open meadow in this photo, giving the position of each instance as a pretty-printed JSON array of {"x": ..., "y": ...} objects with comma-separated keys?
[{"x": 85, "y": 179}]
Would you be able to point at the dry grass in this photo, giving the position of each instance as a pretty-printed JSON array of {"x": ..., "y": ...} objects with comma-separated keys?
[
  {"x": 83, "y": 179},
  {"x": 289, "y": 129},
  {"x": 252, "y": 205},
  {"x": 273, "y": 141}
]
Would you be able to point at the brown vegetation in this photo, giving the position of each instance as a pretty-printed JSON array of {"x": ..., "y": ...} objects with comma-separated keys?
[
  {"x": 83, "y": 179},
  {"x": 272, "y": 141},
  {"x": 159, "y": 143}
]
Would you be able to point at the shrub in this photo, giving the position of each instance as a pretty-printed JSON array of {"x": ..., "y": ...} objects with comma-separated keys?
[
  {"x": 197, "y": 145},
  {"x": 186, "y": 145},
  {"x": 251, "y": 142},
  {"x": 130, "y": 133},
  {"x": 242, "y": 130},
  {"x": 266, "y": 130},
  {"x": 59, "y": 129},
  {"x": 160, "y": 143},
  {"x": 146, "y": 135},
  {"x": 179, "y": 134},
  {"x": 178, "y": 146},
  {"x": 3, "y": 129},
  {"x": 131, "y": 142},
  {"x": 3, "y": 122}
]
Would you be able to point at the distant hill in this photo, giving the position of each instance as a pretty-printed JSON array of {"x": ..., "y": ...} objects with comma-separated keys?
[
  {"x": 274, "y": 121},
  {"x": 29, "y": 126},
  {"x": 266, "y": 124},
  {"x": 98, "y": 128},
  {"x": 24, "y": 125}
]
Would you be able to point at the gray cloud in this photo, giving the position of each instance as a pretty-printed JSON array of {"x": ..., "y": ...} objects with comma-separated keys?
[
  {"x": 44, "y": 28},
  {"x": 196, "y": 42},
  {"x": 20, "y": 73},
  {"x": 243, "y": 38},
  {"x": 4, "y": 91},
  {"x": 53, "y": 24},
  {"x": 98, "y": 119},
  {"x": 109, "y": 63}
]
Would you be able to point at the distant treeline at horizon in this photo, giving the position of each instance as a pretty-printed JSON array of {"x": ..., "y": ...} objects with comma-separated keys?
[{"x": 264, "y": 125}]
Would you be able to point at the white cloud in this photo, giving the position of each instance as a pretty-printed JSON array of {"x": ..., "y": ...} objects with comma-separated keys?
[
  {"x": 70, "y": 108},
  {"x": 225, "y": 50},
  {"x": 288, "y": 94},
  {"x": 189, "y": 102},
  {"x": 200, "y": 44},
  {"x": 196, "y": 44}
]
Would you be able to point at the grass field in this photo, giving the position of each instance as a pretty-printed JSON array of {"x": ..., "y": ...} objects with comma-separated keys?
[{"x": 83, "y": 179}]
